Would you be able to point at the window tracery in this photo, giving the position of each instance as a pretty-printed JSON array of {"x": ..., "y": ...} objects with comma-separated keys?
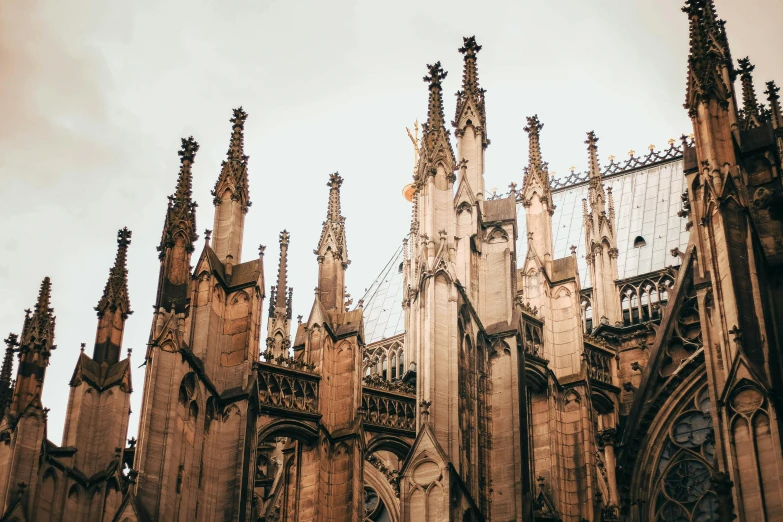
[{"x": 683, "y": 491}]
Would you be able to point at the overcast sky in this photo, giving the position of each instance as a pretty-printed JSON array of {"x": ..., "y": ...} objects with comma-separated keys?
[{"x": 95, "y": 96}]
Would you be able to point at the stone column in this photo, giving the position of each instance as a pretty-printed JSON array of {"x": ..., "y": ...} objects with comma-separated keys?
[{"x": 607, "y": 439}]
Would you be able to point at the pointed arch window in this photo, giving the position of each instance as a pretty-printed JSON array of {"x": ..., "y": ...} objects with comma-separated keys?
[
  {"x": 394, "y": 366},
  {"x": 682, "y": 487},
  {"x": 402, "y": 364}
]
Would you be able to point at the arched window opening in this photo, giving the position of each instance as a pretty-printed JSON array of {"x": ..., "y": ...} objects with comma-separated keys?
[
  {"x": 681, "y": 488},
  {"x": 589, "y": 318},
  {"x": 634, "y": 308},
  {"x": 394, "y": 366},
  {"x": 655, "y": 307},
  {"x": 639, "y": 242},
  {"x": 384, "y": 368},
  {"x": 626, "y": 307},
  {"x": 645, "y": 304}
]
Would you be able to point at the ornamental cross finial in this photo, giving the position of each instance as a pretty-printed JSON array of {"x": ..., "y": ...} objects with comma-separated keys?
[{"x": 436, "y": 75}]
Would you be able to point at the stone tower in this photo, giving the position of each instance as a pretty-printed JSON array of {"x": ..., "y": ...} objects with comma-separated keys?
[{"x": 195, "y": 455}]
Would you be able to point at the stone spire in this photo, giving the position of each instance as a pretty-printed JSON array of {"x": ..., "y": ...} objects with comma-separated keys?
[
  {"x": 232, "y": 195},
  {"x": 6, "y": 391},
  {"x": 597, "y": 196},
  {"x": 35, "y": 348},
  {"x": 750, "y": 105},
  {"x": 709, "y": 61},
  {"x": 181, "y": 214},
  {"x": 331, "y": 251},
  {"x": 600, "y": 241},
  {"x": 536, "y": 195},
  {"x": 470, "y": 122},
  {"x": 435, "y": 137},
  {"x": 282, "y": 272},
  {"x": 279, "y": 325},
  {"x": 773, "y": 98},
  {"x": 471, "y": 93},
  {"x": 115, "y": 293},
  {"x": 38, "y": 329},
  {"x": 537, "y": 171},
  {"x": 114, "y": 307}
]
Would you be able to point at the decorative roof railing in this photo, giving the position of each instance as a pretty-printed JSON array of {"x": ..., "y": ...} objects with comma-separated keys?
[
  {"x": 614, "y": 167},
  {"x": 389, "y": 409},
  {"x": 287, "y": 388}
]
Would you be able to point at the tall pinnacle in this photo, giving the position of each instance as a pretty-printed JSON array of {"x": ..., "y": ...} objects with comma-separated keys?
[
  {"x": 38, "y": 329},
  {"x": 774, "y": 104},
  {"x": 470, "y": 83},
  {"x": 233, "y": 175},
  {"x": 6, "y": 392},
  {"x": 435, "y": 118},
  {"x": 181, "y": 214},
  {"x": 596, "y": 190},
  {"x": 282, "y": 272},
  {"x": 115, "y": 293},
  {"x": 332, "y": 253},
  {"x": 333, "y": 233},
  {"x": 537, "y": 172},
  {"x": 533, "y": 130},
  {"x": 750, "y": 105},
  {"x": 232, "y": 196},
  {"x": 709, "y": 54}
]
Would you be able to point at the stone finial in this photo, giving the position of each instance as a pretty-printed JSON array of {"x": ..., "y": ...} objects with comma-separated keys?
[
  {"x": 207, "y": 236},
  {"x": 233, "y": 175},
  {"x": 181, "y": 213},
  {"x": 435, "y": 118},
  {"x": 773, "y": 98},
  {"x": 115, "y": 293},
  {"x": 750, "y": 105},
  {"x": 38, "y": 328},
  {"x": 471, "y": 92},
  {"x": 424, "y": 411}
]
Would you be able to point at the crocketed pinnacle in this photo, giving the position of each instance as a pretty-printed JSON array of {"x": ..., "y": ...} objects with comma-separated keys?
[
  {"x": 333, "y": 233},
  {"x": 6, "y": 392},
  {"x": 233, "y": 175},
  {"x": 115, "y": 293},
  {"x": 537, "y": 171},
  {"x": 709, "y": 53},
  {"x": 181, "y": 214},
  {"x": 774, "y": 104},
  {"x": 596, "y": 189},
  {"x": 533, "y": 130},
  {"x": 435, "y": 137},
  {"x": 470, "y": 82},
  {"x": 435, "y": 120},
  {"x": 750, "y": 105},
  {"x": 282, "y": 271},
  {"x": 38, "y": 329}
]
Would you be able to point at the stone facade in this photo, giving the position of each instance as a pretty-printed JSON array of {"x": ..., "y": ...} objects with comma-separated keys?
[{"x": 517, "y": 388}]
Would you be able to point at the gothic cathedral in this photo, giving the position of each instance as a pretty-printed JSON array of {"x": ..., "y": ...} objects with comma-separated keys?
[{"x": 521, "y": 357}]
